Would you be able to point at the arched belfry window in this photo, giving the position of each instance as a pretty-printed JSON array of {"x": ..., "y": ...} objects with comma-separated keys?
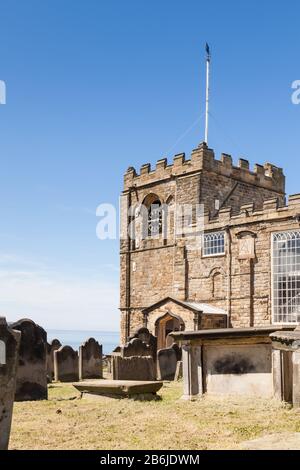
[
  {"x": 154, "y": 218},
  {"x": 154, "y": 215}
]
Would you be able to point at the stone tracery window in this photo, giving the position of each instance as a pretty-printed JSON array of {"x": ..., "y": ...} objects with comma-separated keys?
[{"x": 286, "y": 277}]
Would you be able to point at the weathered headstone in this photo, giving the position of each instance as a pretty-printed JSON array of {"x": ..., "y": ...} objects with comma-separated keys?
[
  {"x": 135, "y": 347},
  {"x": 66, "y": 364},
  {"x": 133, "y": 368},
  {"x": 32, "y": 368},
  {"x": 166, "y": 364},
  {"x": 53, "y": 346},
  {"x": 144, "y": 335},
  {"x": 134, "y": 361},
  {"x": 9, "y": 346},
  {"x": 90, "y": 360}
]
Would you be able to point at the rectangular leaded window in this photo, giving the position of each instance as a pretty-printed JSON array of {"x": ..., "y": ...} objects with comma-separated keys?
[
  {"x": 286, "y": 277},
  {"x": 213, "y": 243}
]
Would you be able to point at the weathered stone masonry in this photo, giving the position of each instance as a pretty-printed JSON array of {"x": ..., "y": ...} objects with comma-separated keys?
[{"x": 251, "y": 206}]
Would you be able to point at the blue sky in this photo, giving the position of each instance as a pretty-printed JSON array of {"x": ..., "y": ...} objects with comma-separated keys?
[{"x": 95, "y": 86}]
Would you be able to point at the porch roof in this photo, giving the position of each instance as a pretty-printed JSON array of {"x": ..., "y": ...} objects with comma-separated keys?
[
  {"x": 195, "y": 306},
  {"x": 205, "y": 308}
]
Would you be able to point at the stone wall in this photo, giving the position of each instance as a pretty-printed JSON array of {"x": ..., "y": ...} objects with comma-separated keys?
[
  {"x": 212, "y": 321},
  {"x": 151, "y": 285}
]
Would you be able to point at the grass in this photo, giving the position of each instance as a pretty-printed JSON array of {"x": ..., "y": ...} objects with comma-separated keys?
[{"x": 66, "y": 421}]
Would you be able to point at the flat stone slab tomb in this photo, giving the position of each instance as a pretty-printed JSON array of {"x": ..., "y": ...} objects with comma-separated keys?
[{"x": 120, "y": 388}]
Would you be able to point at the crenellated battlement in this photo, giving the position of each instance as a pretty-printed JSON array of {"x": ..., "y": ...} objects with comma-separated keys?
[
  {"x": 248, "y": 213},
  {"x": 202, "y": 159}
]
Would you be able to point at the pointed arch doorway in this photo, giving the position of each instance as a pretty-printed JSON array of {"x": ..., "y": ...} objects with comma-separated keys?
[{"x": 165, "y": 325}]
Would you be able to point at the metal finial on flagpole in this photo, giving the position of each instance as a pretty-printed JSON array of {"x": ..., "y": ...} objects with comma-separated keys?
[{"x": 207, "y": 91}]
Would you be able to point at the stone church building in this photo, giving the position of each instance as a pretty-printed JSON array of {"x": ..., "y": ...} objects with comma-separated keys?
[{"x": 241, "y": 269}]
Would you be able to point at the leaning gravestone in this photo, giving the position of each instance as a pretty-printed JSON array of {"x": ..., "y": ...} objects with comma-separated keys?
[
  {"x": 90, "y": 360},
  {"x": 32, "y": 369},
  {"x": 66, "y": 365},
  {"x": 53, "y": 346},
  {"x": 9, "y": 346},
  {"x": 166, "y": 364}
]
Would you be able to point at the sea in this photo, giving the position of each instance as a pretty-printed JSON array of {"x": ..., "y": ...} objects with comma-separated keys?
[{"x": 74, "y": 338}]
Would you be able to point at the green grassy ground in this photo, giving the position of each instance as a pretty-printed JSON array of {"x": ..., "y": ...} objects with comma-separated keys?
[{"x": 66, "y": 421}]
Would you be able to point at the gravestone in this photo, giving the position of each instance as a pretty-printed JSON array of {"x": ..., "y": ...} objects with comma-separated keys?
[
  {"x": 144, "y": 335},
  {"x": 135, "y": 347},
  {"x": 9, "y": 346},
  {"x": 66, "y": 364},
  {"x": 134, "y": 361},
  {"x": 166, "y": 364},
  {"x": 133, "y": 368},
  {"x": 90, "y": 360},
  {"x": 32, "y": 367},
  {"x": 53, "y": 346}
]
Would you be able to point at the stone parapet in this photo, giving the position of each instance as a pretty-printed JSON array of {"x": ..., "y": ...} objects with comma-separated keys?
[
  {"x": 266, "y": 176},
  {"x": 248, "y": 214}
]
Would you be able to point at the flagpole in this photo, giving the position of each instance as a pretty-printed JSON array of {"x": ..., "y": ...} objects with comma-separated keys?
[{"x": 207, "y": 92}]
